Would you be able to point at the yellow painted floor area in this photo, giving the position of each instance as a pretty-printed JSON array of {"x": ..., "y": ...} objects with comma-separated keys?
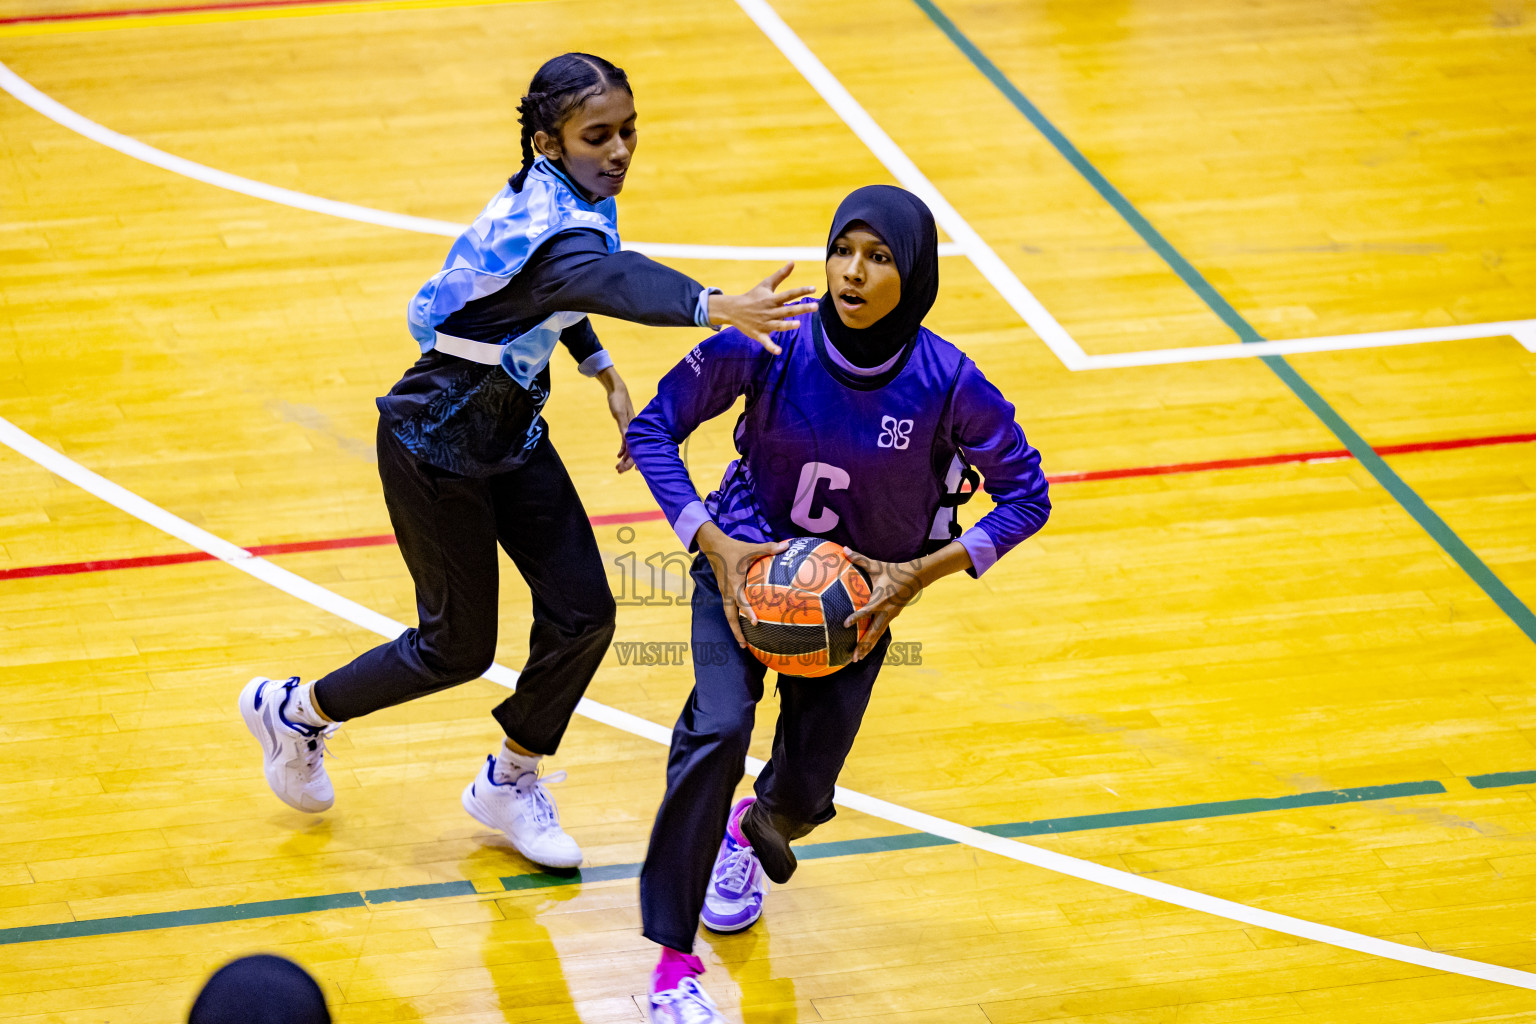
[{"x": 1219, "y": 635}]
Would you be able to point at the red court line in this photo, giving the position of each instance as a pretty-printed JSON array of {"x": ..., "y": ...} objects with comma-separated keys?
[
  {"x": 102, "y": 565},
  {"x": 261, "y": 550},
  {"x": 138, "y": 12},
  {"x": 1286, "y": 458},
  {"x": 1460, "y": 442},
  {"x": 334, "y": 544},
  {"x": 615, "y": 518},
  {"x": 1196, "y": 467}
]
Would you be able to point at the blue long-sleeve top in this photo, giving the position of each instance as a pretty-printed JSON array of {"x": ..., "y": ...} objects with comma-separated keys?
[
  {"x": 473, "y": 419},
  {"x": 866, "y": 458}
]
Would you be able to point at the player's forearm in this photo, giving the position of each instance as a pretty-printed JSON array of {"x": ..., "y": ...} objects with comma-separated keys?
[
  {"x": 610, "y": 379},
  {"x": 623, "y": 285},
  {"x": 951, "y": 558},
  {"x": 717, "y": 545}
]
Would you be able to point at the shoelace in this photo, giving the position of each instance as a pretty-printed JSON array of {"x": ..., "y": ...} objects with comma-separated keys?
[
  {"x": 693, "y": 1004},
  {"x": 314, "y": 750},
  {"x": 314, "y": 753},
  {"x": 544, "y": 812},
  {"x": 733, "y": 874}
]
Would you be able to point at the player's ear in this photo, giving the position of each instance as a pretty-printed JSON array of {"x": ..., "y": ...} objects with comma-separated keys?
[{"x": 547, "y": 144}]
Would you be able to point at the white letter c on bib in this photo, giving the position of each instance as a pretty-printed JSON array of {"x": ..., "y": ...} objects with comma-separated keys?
[{"x": 805, "y": 496}]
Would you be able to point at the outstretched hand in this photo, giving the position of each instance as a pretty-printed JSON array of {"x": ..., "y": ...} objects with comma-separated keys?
[{"x": 763, "y": 310}]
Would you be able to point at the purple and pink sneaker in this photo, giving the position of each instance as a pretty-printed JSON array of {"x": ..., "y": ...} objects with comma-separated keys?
[
  {"x": 676, "y": 995},
  {"x": 734, "y": 900}
]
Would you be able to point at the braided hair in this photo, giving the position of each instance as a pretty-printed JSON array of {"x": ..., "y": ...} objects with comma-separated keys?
[{"x": 557, "y": 91}]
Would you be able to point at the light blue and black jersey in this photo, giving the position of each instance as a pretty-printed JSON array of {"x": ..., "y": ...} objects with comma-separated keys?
[
  {"x": 870, "y": 458},
  {"x": 520, "y": 280}
]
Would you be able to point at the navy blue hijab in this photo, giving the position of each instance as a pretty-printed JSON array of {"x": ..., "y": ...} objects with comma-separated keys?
[
  {"x": 906, "y": 226},
  {"x": 260, "y": 989}
]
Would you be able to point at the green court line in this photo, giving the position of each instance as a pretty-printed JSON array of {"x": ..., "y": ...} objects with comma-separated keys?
[
  {"x": 546, "y": 879},
  {"x": 1497, "y": 779},
  {"x": 182, "y": 918},
  {"x": 599, "y": 873},
  {"x": 1407, "y": 497},
  {"x": 874, "y": 844},
  {"x": 1219, "y": 809},
  {"x": 812, "y": 851},
  {"x": 1404, "y": 495},
  {"x": 425, "y": 891}
]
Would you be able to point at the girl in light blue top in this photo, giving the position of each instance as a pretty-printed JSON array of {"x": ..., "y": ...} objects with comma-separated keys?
[{"x": 467, "y": 464}]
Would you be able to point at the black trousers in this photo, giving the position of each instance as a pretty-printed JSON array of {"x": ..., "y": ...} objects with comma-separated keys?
[
  {"x": 448, "y": 527},
  {"x": 818, "y": 720}
]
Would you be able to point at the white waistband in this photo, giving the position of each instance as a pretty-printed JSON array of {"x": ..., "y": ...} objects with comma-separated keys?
[{"x": 475, "y": 351}]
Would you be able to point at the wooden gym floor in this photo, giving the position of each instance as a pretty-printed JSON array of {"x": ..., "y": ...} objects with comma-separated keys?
[{"x": 1274, "y": 647}]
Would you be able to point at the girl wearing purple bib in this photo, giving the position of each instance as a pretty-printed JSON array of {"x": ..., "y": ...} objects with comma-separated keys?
[{"x": 864, "y": 429}]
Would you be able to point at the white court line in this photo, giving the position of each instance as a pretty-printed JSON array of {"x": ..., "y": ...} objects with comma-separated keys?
[
  {"x": 905, "y": 171},
  {"x": 350, "y": 611},
  {"x": 990, "y": 265},
  {"x": 1013, "y": 290},
  {"x": 55, "y": 111},
  {"x": 986, "y": 260},
  {"x": 1523, "y": 331},
  {"x": 969, "y": 242}
]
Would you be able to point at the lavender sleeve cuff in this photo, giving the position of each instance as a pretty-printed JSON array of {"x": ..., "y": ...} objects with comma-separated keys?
[
  {"x": 686, "y": 526},
  {"x": 979, "y": 544},
  {"x": 701, "y": 308},
  {"x": 595, "y": 363}
]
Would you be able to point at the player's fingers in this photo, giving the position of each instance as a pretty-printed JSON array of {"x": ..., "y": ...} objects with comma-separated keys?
[
  {"x": 764, "y": 339},
  {"x": 752, "y": 554},
  {"x": 872, "y": 635},
  {"x": 862, "y": 561},
  {"x": 879, "y": 604},
  {"x": 731, "y": 617},
  {"x": 742, "y": 602},
  {"x": 757, "y": 551},
  {"x": 794, "y": 297},
  {"x": 864, "y": 612},
  {"x": 783, "y": 325},
  {"x": 776, "y": 278}
]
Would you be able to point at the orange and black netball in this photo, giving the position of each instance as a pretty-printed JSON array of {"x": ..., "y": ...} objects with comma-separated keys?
[{"x": 801, "y": 597}]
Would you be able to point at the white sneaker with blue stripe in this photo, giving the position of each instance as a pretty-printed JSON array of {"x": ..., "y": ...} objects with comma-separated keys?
[
  {"x": 522, "y": 811},
  {"x": 294, "y": 752}
]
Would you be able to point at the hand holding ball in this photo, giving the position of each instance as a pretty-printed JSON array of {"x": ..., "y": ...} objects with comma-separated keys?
[{"x": 801, "y": 597}]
